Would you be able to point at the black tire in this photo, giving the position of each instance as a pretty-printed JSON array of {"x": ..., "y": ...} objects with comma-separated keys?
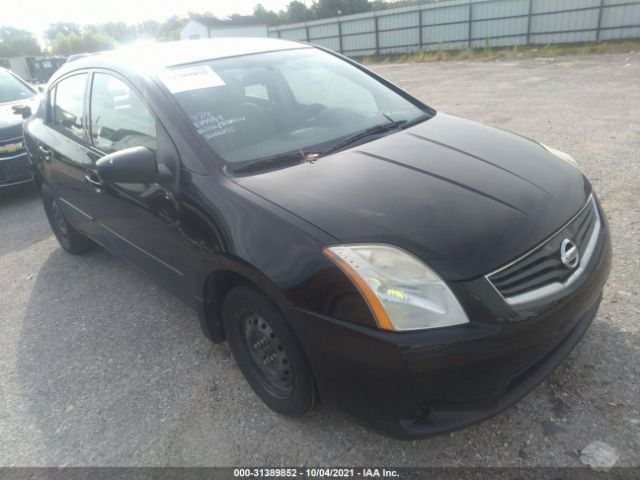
[
  {"x": 286, "y": 383},
  {"x": 68, "y": 237}
]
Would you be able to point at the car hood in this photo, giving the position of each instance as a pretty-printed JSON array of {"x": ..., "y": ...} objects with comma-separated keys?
[
  {"x": 464, "y": 197},
  {"x": 10, "y": 122}
]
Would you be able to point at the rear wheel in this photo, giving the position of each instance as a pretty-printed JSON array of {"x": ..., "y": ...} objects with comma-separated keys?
[
  {"x": 267, "y": 352},
  {"x": 69, "y": 238}
]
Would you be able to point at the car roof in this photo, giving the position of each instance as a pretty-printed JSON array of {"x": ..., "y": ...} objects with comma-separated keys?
[{"x": 146, "y": 58}]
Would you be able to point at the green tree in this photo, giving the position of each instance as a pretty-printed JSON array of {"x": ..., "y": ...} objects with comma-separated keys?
[
  {"x": 170, "y": 28},
  {"x": 64, "y": 28},
  {"x": 265, "y": 16},
  {"x": 80, "y": 43},
  {"x": 297, "y": 12},
  {"x": 148, "y": 29},
  {"x": 15, "y": 42},
  {"x": 334, "y": 8},
  {"x": 118, "y": 31},
  {"x": 379, "y": 5}
]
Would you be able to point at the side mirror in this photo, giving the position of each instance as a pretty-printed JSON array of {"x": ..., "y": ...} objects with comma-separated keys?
[
  {"x": 132, "y": 165},
  {"x": 24, "y": 110}
]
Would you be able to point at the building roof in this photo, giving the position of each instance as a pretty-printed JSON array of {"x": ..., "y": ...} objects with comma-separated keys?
[{"x": 235, "y": 22}]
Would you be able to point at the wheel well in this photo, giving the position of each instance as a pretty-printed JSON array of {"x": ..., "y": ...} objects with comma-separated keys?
[{"x": 216, "y": 287}]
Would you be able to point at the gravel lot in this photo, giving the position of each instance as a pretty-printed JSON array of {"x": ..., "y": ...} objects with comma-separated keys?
[{"x": 99, "y": 366}]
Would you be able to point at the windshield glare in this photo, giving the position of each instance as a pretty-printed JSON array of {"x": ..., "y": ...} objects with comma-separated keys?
[
  {"x": 268, "y": 104},
  {"x": 13, "y": 90}
]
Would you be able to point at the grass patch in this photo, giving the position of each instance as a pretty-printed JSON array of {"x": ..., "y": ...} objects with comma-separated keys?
[{"x": 440, "y": 54}]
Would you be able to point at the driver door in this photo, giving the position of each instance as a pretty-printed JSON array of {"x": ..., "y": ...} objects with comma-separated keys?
[{"x": 138, "y": 221}]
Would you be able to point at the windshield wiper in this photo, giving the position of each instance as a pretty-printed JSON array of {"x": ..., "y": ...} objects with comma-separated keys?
[
  {"x": 301, "y": 156},
  {"x": 375, "y": 130},
  {"x": 417, "y": 120},
  {"x": 287, "y": 157}
]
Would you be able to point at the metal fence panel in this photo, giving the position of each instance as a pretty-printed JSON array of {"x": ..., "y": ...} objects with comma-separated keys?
[
  {"x": 445, "y": 33},
  {"x": 500, "y": 9},
  {"x": 618, "y": 2},
  {"x": 500, "y": 42},
  {"x": 358, "y": 26},
  {"x": 323, "y": 31},
  {"x": 564, "y": 22},
  {"x": 620, "y": 33},
  {"x": 621, "y": 16},
  {"x": 470, "y": 23},
  {"x": 575, "y": 37},
  {"x": 403, "y": 20},
  {"x": 364, "y": 43},
  {"x": 294, "y": 34},
  {"x": 445, "y": 15},
  {"x": 499, "y": 28},
  {"x": 330, "y": 43},
  {"x": 407, "y": 37},
  {"x": 546, "y": 6}
]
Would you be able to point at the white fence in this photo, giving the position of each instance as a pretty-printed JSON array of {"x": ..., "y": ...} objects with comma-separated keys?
[{"x": 470, "y": 23}]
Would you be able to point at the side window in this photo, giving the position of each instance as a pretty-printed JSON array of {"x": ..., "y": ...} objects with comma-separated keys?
[
  {"x": 68, "y": 105},
  {"x": 119, "y": 118}
]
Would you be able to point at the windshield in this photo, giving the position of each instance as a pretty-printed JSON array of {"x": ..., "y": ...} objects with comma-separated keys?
[
  {"x": 264, "y": 105},
  {"x": 12, "y": 89}
]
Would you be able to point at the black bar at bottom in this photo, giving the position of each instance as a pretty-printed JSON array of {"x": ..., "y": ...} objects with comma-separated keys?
[{"x": 313, "y": 472}]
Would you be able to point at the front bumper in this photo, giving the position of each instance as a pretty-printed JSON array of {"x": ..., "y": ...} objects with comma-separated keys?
[
  {"x": 14, "y": 169},
  {"x": 417, "y": 384}
]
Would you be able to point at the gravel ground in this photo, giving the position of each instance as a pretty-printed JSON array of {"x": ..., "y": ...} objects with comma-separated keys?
[{"x": 99, "y": 366}]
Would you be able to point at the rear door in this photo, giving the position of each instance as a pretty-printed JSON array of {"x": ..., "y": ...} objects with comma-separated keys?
[{"x": 63, "y": 150}]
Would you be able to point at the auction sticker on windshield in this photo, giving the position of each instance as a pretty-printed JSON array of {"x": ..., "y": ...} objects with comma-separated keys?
[{"x": 192, "y": 78}]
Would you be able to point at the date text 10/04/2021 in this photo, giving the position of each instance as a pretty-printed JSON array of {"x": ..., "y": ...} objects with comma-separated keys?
[{"x": 316, "y": 472}]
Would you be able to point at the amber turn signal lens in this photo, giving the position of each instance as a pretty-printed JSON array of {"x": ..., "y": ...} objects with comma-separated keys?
[{"x": 370, "y": 297}]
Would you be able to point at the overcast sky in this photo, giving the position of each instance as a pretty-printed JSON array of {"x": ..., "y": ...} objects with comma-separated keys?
[{"x": 35, "y": 15}]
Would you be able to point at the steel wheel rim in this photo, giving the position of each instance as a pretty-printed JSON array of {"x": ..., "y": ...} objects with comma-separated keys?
[{"x": 267, "y": 354}]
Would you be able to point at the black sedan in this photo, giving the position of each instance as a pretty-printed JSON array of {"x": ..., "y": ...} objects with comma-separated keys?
[
  {"x": 14, "y": 95},
  {"x": 351, "y": 243}
]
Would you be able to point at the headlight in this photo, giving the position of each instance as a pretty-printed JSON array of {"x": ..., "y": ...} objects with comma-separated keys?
[
  {"x": 401, "y": 291},
  {"x": 561, "y": 155}
]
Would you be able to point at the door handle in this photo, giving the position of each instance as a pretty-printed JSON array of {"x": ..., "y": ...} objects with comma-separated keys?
[
  {"x": 46, "y": 152},
  {"x": 93, "y": 180}
]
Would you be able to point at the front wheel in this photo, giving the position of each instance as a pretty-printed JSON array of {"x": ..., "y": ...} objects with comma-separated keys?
[
  {"x": 69, "y": 238},
  {"x": 267, "y": 352}
]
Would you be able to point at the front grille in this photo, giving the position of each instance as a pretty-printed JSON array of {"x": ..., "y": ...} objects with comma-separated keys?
[
  {"x": 9, "y": 147},
  {"x": 541, "y": 271},
  {"x": 14, "y": 169}
]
